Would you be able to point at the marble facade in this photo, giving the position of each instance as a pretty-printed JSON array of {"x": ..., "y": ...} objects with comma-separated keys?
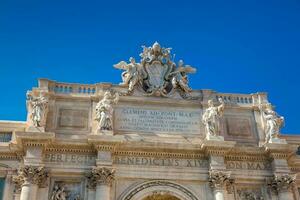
[{"x": 145, "y": 139}]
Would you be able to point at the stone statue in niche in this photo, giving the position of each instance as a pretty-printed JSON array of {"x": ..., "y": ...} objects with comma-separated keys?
[
  {"x": 59, "y": 193},
  {"x": 37, "y": 107},
  {"x": 104, "y": 110},
  {"x": 211, "y": 119},
  {"x": 272, "y": 123}
]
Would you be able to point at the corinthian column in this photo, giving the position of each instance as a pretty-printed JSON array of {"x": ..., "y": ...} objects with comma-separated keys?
[
  {"x": 218, "y": 181},
  {"x": 30, "y": 178},
  {"x": 282, "y": 185},
  {"x": 102, "y": 178}
]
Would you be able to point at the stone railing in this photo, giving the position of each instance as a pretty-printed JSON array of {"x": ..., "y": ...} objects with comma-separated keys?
[
  {"x": 235, "y": 98},
  {"x": 67, "y": 88},
  {"x": 90, "y": 89},
  {"x": 243, "y": 99},
  {"x": 5, "y": 136}
]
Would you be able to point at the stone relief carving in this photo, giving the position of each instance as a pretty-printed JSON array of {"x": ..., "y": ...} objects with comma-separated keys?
[
  {"x": 100, "y": 175},
  {"x": 104, "y": 110},
  {"x": 37, "y": 106},
  {"x": 218, "y": 179},
  {"x": 33, "y": 175},
  {"x": 249, "y": 194},
  {"x": 211, "y": 118},
  {"x": 281, "y": 183},
  {"x": 58, "y": 193},
  {"x": 66, "y": 190},
  {"x": 156, "y": 74},
  {"x": 272, "y": 122}
]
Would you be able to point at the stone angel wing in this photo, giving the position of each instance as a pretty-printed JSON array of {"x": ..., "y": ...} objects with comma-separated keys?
[
  {"x": 187, "y": 69},
  {"x": 121, "y": 65}
]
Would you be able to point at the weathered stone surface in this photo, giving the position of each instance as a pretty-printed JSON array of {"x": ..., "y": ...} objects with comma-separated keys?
[{"x": 151, "y": 137}]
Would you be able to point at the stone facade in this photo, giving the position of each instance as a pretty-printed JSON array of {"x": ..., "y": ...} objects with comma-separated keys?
[{"x": 151, "y": 137}]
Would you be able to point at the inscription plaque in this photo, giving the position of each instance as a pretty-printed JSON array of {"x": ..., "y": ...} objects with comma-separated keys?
[{"x": 157, "y": 120}]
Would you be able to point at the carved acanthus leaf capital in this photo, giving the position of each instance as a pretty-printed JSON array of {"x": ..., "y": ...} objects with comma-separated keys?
[
  {"x": 219, "y": 179},
  {"x": 18, "y": 181},
  {"x": 279, "y": 183},
  {"x": 102, "y": 176},
  {"x": 32, "y": 175}
]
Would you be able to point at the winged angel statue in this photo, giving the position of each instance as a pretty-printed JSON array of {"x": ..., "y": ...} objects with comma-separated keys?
[{"x": 156, "y": 74}]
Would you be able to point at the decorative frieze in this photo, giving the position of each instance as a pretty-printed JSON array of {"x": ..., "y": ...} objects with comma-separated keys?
[
  {"x": 32, "y": 174},
  {"x": 281, "y": 183},
  {"x": 101, "y": 176}
]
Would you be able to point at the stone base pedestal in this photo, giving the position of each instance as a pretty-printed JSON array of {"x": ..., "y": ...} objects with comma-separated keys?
[
  {"x": 215, "y": 138},
  {"x": 277, "y": 141},
  {"x": 104, "y": 132},
  {"x": 35, "y": 129}
]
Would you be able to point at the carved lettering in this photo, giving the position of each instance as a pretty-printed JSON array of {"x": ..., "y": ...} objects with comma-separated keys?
[
  {"x": 70, "y": 159},
  {"x": 169, "y": 162},
  {"x": 157, "y": 120},
  {"x": 248, "y": 165}
]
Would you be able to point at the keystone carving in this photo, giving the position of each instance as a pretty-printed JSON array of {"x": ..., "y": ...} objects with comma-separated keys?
[
  {"x": 100, "y": 176},
  {"x": 32, "y": 175},
  {"x": 281, "y": 183}
]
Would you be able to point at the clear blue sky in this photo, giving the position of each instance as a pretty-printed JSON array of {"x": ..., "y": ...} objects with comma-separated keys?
[{"x": 237, "y": 46}]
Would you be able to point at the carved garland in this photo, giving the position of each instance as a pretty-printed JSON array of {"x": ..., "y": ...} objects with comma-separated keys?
[{"x": 159, "y": 183}]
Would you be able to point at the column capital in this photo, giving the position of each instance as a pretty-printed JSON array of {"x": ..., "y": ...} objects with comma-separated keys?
[
  {"x": 31, "y": 174},
  {"x": 281, "y": 183},
  {"x": 219, "y": 179},
  {"x": 100, "y": 176},
  {"x": 18, "y": 181}
]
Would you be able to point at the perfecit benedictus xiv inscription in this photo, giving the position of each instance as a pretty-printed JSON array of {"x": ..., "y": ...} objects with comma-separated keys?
[
  {"x": 164, "y": 162},
  {"x": 158, "y": 120}
]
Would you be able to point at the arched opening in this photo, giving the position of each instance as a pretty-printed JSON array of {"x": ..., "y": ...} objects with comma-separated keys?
[
  {"x": 157, "y": 190},
  {"x": 161, "y": 197}
]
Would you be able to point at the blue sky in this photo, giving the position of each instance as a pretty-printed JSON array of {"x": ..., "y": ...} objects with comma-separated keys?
[{"x": 237, "y": 46}]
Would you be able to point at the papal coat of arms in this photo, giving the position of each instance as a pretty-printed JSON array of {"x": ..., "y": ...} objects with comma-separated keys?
[{"x": 157, "y": 74}]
